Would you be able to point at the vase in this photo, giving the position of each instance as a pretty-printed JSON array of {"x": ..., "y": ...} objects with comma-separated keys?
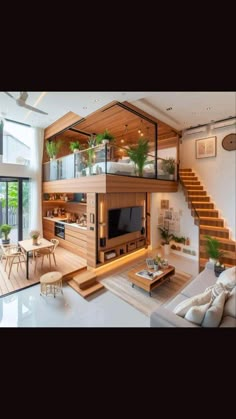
[
  {"x": 34, "y": 241},
  {"x": 218, "y": 270}
]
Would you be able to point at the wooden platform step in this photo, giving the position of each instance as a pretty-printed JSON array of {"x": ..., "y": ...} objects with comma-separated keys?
[
  {"x": 195, "y": 192},
  {"x": 85, "y": 292},
  {"x": 85, "y": 279},
  {"x": 194, "y": 188},
  {"x": 188, "y": 183},
  {"x": 185, "y": 170}
]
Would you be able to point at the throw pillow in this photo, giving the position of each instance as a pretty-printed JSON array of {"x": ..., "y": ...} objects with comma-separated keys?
[
  {"x": 196, "y": 314},
  {"x": 217, "y": 289},
  {"x": 228, "y": 278},
  {"x": 182, "y": 308},
  {"x": 230, "y": 305},
  {"x": 214, "y": 313}
]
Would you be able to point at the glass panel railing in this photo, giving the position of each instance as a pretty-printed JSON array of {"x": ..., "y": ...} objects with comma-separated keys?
[{"x": 111, "y": 159}]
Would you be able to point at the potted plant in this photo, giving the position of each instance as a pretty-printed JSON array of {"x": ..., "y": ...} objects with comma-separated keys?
[
  {"x": 213, "y": 249},
  {"x": 168, "y": 166},
  {"x": 52, "y": 148},
  {"x": 166, "y": 238},
  {"x": 104, "y": 137},
  {"x": 138, "y": 154},
  {"x": 34, "y": 234},
  {"x": 5, "y": 229},
  {"x": 74, "y": 146}
]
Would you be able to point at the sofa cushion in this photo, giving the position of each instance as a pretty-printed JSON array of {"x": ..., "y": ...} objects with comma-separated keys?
[
  {"x": 228, "y": 278},
  {"x": 196, "y": 313},
  {"x": 228, "y": 321},
  {"x": 214, "y": 314},
  {"x": 205, "y": 279},
  {"x": 230, "y": 305},
  {"x": 197, "y": 300}
]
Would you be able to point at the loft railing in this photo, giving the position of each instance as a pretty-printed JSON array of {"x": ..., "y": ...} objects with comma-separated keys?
[{"x": 110, "y": 159}]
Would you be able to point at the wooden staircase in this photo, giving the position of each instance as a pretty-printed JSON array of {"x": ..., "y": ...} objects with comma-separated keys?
[
  {"x": 85, "y": 283},
  {"x": 207, "y": 218}
]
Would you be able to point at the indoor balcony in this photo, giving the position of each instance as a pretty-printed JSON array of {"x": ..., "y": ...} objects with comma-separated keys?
[{"x": 108, "y": 168}]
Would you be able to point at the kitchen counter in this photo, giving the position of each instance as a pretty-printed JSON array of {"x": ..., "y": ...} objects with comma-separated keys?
[{"x": 59, "y": 219}]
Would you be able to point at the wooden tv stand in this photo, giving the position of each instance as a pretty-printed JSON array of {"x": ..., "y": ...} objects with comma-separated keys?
[{"x": 120, "y": 250}]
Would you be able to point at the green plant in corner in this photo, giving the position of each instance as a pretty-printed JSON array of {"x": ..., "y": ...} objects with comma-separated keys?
[
  {"x": 138, "y": 154},
  {"x": 213, "y": 248}
]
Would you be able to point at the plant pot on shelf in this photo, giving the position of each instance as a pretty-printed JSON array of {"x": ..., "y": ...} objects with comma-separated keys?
[{"x": 218, "y": 269}]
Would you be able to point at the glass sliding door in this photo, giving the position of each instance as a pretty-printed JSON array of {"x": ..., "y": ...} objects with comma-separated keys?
[{"x": 14, "y": 206}]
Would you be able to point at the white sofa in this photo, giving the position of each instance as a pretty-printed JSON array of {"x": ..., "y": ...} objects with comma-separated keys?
[{"x": 164, "y": 316}]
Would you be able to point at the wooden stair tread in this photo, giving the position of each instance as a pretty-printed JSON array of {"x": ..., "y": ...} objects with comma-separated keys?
[
  {"x": 85, "y": 292},
  {"x": 210, "y": 218},
  {"x": 220, "y": 239},
  {"x": 214, "y": 228}
]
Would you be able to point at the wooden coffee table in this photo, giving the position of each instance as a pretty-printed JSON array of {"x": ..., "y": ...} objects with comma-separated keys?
[{"x": 149, "y": 284}]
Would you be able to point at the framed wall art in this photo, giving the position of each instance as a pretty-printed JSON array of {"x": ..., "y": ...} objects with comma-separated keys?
[{"x": 205, "y": 147}]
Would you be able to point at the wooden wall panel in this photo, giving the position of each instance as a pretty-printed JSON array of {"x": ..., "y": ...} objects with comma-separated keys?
[
  {"x": 62, "y": 123},
  {"x": 91, "y": 230}
]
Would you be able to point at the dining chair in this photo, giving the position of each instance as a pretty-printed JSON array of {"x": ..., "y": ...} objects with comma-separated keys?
[
  {"x": 48, "y": 251},
  {"x": 13, "y": 255}
]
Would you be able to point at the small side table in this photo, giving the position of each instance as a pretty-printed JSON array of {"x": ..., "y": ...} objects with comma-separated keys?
[{"x": 51, "y": 283}]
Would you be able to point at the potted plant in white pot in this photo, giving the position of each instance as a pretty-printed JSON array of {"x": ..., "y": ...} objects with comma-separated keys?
[
  {"x": 168, "y": 166},
  {"x": 74, "y": 146},
  {"x": 5, "y": 229},
  {"x": 52, "y": 148},
  {"x": 104, "y": 138},
  {"x": 166, "y": 238}
]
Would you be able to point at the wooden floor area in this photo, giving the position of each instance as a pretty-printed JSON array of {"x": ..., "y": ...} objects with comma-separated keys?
[{"x": 67, "y": 263}]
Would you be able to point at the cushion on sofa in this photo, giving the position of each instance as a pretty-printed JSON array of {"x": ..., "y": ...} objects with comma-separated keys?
[
  {"x": 177, "y": 300},
  {"x": 197, "y": 300},
  {"x": 230, "y": 305},
  {"x": 228, "y": 278},
  {"x": 214, "y": 314},
  {"x": 196, "y": 314}
]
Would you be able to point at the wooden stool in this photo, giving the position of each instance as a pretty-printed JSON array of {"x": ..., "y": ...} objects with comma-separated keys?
[{"x": 51, "y": 283}]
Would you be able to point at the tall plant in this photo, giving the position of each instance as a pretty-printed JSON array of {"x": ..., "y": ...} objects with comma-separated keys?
[
  {"x": 213, "y": 248},
  {"x": 138, "y": 154},
  {"x": 53, "y": 147}
]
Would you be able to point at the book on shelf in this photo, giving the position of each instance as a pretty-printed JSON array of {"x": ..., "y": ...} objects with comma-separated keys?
[{"x": 148, "y": 274}]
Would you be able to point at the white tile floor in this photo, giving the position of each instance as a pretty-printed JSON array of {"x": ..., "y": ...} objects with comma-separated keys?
[{"x": 27, "y": 308}]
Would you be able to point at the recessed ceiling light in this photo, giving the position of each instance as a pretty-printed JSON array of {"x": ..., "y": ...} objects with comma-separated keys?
[
  {"x": 122, "y": 141},
  {"x": 96, "y": 100},
  {"x": 85, "y": 107},
  {"x": 169, "y": 109},
  {"x": 208, "y": 108}
]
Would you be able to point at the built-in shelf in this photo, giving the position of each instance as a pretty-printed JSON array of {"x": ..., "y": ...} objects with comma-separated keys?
[{"x": 60, "y": 201}]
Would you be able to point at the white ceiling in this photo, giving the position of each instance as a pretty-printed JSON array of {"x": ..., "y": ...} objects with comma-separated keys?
[{"x": 188, "y": 108}]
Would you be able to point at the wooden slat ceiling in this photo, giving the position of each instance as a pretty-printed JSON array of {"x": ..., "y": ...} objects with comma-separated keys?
[{"x": 122, "y": 123}]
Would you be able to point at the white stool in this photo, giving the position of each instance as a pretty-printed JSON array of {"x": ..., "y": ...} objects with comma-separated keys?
[{"x": 51, "y": 283}]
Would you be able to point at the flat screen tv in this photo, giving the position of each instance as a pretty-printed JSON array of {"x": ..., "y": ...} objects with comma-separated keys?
[{"x": 124, "y": 220}]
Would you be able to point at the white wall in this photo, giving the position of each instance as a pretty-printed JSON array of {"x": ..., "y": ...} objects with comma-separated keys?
[
  {"x": 178, "y": 203},
  {"x": 217, "y": 174}
]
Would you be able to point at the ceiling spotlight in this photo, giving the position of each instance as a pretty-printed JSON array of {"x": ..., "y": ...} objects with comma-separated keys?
[
  {"x": 96, "y": 100},
  {"x": 141, "y": 134},
  {"x": 122, "y": 141},
  {"x": 209, "y": 108},
  {"x": 169, "y": 109},
  {"x": 85, "y": 107},
  {"x": 139, "y": 131}
]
